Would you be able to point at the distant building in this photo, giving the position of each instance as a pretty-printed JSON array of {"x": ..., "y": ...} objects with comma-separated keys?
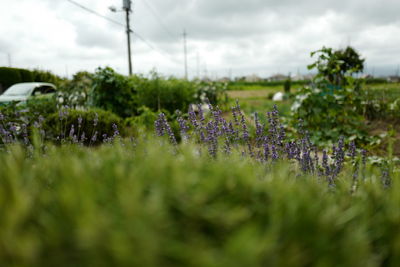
[
  {"x": 252, "y": 78},
  {"x": 224, "y": 80},
  {"x": 393, "y": 79},
  {"x": 301, "y": 77},
  {"x": 367, "y": 76},
  {"x": 277, "y": 78},
  {"x": 206, "y": 79}
]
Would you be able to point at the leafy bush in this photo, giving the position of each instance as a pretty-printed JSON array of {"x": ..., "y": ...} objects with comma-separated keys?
[
  {"x": 16, "y": 120},
  {"x": 114, "y": 92},
  {"x": 46, "y": 76},
  {"x": 214, "y": 92},
  {"x": 287, "y": 85},
  {"x": 145, "y": 119},
  {"x": 334, "y": 65},
  {"x": 159, "y": 93},
  {"x": 75, "y": 92},
  {"x": 329, "y": 112},
  {"x": 8, "y": 77},
  {"x": 41, "y": 106},
  {"x": 330, "y": 106},
  {"x": 26, "y": 75},
  {"x": 88, "y": 127}
]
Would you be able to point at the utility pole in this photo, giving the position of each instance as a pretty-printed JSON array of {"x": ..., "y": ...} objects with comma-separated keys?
[
  {"x": 127, "y": 7},
  {"x": 185, "y": 53}
]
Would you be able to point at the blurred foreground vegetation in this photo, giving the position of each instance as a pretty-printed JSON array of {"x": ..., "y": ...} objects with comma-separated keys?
[{"x": 142, "y": 204}]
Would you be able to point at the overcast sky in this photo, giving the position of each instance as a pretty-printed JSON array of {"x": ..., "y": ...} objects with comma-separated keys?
[{"x": 225, "y": 37}]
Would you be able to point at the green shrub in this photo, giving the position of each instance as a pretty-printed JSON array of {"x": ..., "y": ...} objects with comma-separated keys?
[
  {"x": 58, "y": 125},
  {"x": 146, "y": 119},
  {"x": 112, "y": 91},
  {"x": 46, "y": 76},
  {"x": 214, "y": 92},
  {"x": 26, "y": 75},
  {"x": 75, "y": 92},
  {"x": 287, "y": 85},
  {"x": 8, "y": 77},
  {"x": 158, "y": 93},
  {"x": 329, "y": 112},
  {"x": 41, "y": 106}
]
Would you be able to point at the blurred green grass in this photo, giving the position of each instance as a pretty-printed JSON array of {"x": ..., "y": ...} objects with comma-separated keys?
[{"x": 146, "y": 205}]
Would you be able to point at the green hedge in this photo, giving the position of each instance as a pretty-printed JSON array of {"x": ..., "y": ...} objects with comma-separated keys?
[
  {"x": 10, "y": 76},
  {"x": 59, "y": 127}
]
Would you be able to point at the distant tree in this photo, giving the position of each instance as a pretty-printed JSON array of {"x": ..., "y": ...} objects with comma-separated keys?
[{"x": 335, "y": 65}]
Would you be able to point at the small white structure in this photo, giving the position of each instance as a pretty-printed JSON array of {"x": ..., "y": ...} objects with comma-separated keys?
[{"x": 278, "y": 97}]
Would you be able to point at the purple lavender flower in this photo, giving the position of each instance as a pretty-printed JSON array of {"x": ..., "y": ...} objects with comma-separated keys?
[
  {"x": 80, "y": 121},
  {"x": 325, "y": 164},
  {"x": 201, "y": 114},
  {"x": 184, "y": 128},
  {"x": 115, "y": 128},
  {"x": 212, "y": 139},
  {"x": 259, "y": 130},
  {"x": 192, "y": 117},
  {"x": 72, "y": 131},
  {"x": 162, "y": 127},
  {"x": 159, "y": 125},
  {"x": 274, "y": 153},
  {"x": 96, "y": 119},
  {"x": 94, "y": 137},
  {"x": 352, "y": 150},
  {"x": 83, "y": 138}
]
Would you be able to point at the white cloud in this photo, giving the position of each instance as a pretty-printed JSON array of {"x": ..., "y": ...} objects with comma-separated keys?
[{"x": 253, "y": 36}]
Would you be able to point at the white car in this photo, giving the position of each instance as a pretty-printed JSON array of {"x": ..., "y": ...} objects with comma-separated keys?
[{"x": 21, "y": 92}]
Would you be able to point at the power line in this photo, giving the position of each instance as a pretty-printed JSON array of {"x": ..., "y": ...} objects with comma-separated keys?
[
  {"x": 165, "y": 54},
  {"x": 95, "y": 13},
  {"x": 158, "y": 18}
]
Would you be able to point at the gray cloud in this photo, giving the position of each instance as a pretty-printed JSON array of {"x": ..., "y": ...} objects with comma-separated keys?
[{"x": 260, "y": 36}]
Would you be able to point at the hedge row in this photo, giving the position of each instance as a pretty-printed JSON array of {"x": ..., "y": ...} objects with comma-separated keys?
[{"x": 10, "y": 76}]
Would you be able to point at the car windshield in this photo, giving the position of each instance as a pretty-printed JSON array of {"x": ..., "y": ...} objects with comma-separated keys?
[{"x": 19, "y": 90}]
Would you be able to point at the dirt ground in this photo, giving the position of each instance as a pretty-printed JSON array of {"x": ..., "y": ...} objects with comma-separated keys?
[
  {"x": 249, "y": 94},
  {"x": 380, "y": 127}
]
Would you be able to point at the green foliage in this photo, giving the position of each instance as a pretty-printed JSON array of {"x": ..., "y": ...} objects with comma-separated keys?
[
  {"x": 334, "y": 65},
  {"x": 263, "y": 85},
  {"x": 28, "y": 112},
  {"x": 57, "y": 127},
  {"x": 330, "y": 106},
  {"x": 143, "y": 206},
  {"x": 26, "y": 75},
  {"x": 46, "y": 76},
  {"x": 287, "y": 85},
  {"x": 380, "y": 104},
  {"x": 75, "y": 92},
  {"x": 328, "y": 112},
  {"x": 214, "y": 92},
  {"x": 8, "y": 77},
  {"x": 114, "y": 92},
  {"x": 159, "y": 93},
  {"x": 41, "y": 106},
  {"x": 146, "y": 119}
]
